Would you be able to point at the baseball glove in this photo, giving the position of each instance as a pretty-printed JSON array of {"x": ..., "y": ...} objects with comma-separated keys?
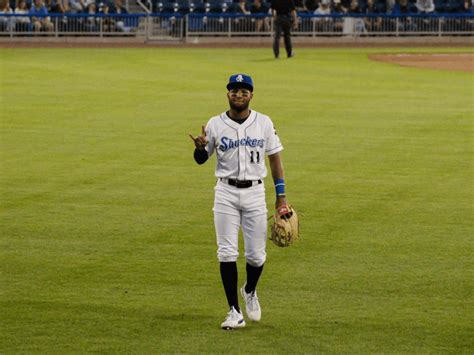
[{"x": 286, "y": 227}]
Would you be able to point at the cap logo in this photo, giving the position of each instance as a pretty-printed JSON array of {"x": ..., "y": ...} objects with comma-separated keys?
[{"x": 239, "y": 78}]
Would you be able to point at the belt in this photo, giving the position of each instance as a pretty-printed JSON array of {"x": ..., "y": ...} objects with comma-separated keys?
[{"x": 241, "y": 184}]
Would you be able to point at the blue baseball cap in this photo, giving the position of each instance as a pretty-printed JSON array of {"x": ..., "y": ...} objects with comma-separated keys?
[{"x": 240, "y": 81}]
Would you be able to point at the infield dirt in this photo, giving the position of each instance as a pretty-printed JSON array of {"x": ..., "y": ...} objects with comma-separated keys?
[{"x": 441, "y": 61}]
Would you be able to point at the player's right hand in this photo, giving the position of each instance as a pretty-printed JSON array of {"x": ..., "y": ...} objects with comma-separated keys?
[{"x": 200, "y": 141}]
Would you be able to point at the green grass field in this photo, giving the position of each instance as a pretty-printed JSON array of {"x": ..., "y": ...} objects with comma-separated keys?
[{"x": 107, "y": 240}]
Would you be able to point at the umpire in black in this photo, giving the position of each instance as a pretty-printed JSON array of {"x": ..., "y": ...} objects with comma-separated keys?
[{"x": 284, "y": 16}]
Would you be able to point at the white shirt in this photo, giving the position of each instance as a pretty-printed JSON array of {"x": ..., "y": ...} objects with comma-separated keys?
[
  {"x": 21, "y": 19},
  {"x": 425, "y": 5},
  {"x": 323, "y": 11},
  {"x": 241, "y": 148}
]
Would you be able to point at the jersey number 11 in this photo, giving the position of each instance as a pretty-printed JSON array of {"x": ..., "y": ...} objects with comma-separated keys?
[{"x": 255, "y": 155}]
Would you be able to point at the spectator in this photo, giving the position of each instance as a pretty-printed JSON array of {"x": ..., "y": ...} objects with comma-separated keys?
[
  {"x": 6, "y": 22},
  {"x": 467, "y": 7},
  {"x": 468, "y": 22},
  {"x": 108, "y": 23},
  {"x": 354, "y": 7},
  {"x": 425, "y": 6},
  {"x": 39, "y": 16},
  {"x": 324, "y": 8},
  {"x": 311, "y": 5},
  {"x": 121, "y": 24},
  {"x": 405, "y": 23},
  {"x": 92, "y": 22},
  {"x": 389, "y": 4},
  {"x": 62, "y": 6},
  {"x": 242, "y": 7},
  {"x": 355, "y": 24},
  {"x": 299, "y": 5},
  {"x": 262, "y": 21},
  {"x": 338, "y": 8},
  {"x": 118, "y": 8},
  {"x": 372, "y": 24},
  {"x": 323, "y": 23},
  {"x": 22, "y": 23},
  {"x": 345, "y": 5},
  {"x": 402, "y": 7},
  {"x": 77, "y": 6}
]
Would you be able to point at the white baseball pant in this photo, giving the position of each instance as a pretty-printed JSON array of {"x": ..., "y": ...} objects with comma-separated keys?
[{"x": 235, "y": 208}]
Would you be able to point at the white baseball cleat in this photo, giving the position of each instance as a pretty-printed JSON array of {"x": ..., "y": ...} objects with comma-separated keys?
[
  {"x": 233, "y": 320},
  {"x": 251, "y": 304}
]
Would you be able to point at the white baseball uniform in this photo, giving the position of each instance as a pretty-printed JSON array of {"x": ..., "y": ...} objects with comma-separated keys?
[{"x": 240, "y": 151}]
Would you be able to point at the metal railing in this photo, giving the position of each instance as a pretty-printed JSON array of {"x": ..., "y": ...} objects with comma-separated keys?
[{"x": 178, "y": 26}]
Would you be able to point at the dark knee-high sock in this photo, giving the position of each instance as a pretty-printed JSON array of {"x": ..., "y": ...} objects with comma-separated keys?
[
  {"x": 229, "y": 280},
  {"x": 253, "y": 274}
]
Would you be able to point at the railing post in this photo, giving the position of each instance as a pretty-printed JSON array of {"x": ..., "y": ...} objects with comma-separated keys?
[
  {"x": 147, "y": 27},
  {"x": 101, "y": 24},
  {"x": 186, "y": 27},
  {"x": 439, "y": 26}
]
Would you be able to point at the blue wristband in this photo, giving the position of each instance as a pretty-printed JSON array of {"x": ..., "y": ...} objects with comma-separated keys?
[{"x": 280, "y": 187}]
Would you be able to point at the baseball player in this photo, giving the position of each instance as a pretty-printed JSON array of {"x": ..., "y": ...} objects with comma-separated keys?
[{"x": 240, "y": 138}]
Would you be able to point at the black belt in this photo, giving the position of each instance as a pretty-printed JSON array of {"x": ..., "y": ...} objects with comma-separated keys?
[{"x": 241, "y": 184}]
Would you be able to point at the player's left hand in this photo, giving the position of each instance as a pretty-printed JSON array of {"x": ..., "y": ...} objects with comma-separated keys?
[{"x": 200, "y": 141}]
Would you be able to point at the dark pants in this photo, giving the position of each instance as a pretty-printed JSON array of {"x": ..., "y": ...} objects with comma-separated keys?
[{"x": 282, "y": 24}]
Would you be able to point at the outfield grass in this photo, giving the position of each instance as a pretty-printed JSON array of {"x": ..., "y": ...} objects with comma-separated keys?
[{"x": 106, "y": 236}]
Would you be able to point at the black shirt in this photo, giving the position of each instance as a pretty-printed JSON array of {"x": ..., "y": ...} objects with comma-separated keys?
[{"x": 283, "y": 7}]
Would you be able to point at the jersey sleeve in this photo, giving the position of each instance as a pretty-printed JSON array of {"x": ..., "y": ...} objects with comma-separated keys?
[
  {"x": 211, "y": 137},
  {"x": 273, "y": 140}
]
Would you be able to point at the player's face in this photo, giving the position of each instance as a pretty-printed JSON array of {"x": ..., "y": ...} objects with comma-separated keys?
[{"x": 239, "y": 99}]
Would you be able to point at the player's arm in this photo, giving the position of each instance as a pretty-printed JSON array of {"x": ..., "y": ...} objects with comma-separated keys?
[
  {"x": 200, "y": 152},
  {"x": 276, "y": 166},
  {"x": 294, "y": 19}
]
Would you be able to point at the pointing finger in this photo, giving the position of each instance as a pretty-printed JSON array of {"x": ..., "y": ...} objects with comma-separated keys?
[
  {"x": 194, "y": 139},
  {"x": 203, "y": 131}
]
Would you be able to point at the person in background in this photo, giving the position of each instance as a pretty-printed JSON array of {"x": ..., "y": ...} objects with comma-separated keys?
[
  {"x": 311, "y": 5},
  {"x": 299, "y": 5},
  {"x": 92, "y": 22},
  {"x": 467, "y": 24},
  {"x": 262, "y": 22},
  {"x": 284, "y": 15},
  {"x": 354, "y": 7},
  {"x": 38, "y": 13},
  {"x": 121, "y": 24},
  {"x": 389, "y": 4},
  {"x": 242, "y": 7},
  {"x": 324, "y": 8},
  {"x": 77, "y": 6},
  {"x": 323, "y": 23},
  {"x": 22, "y": 23},
  {"x": 108, "y": 23},
  {"x": 372, "y": 24},
  {"x": 425, "y": 6},
  {"x": 405, "y": 23},
  {"x": 6, "y": 22},
  {"x": 62, "y": 7}
]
